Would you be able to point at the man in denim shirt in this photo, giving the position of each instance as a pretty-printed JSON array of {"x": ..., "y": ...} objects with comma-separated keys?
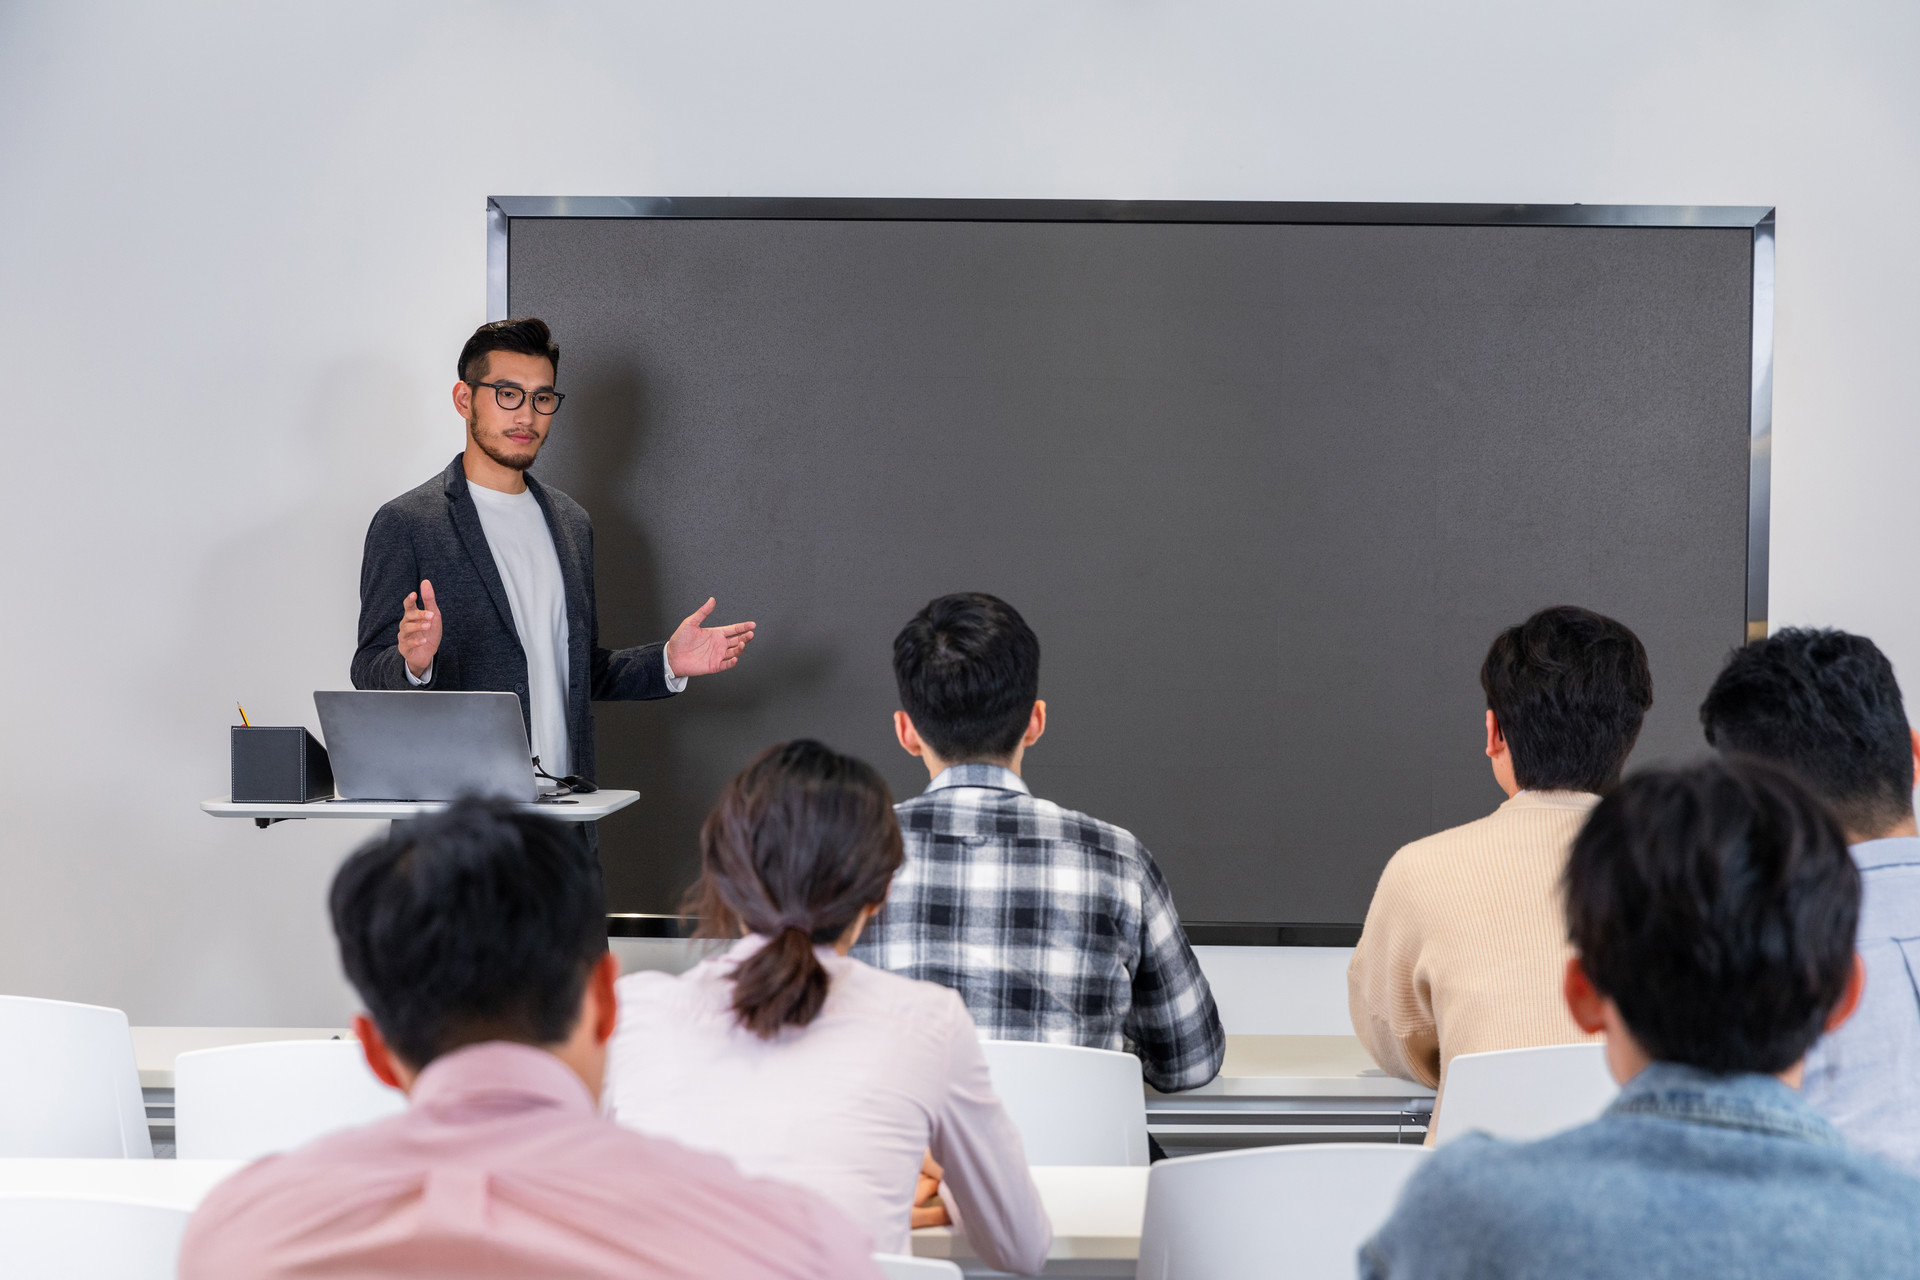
[
  {"x": 1826, "y": 706},
  {"x": 1712, "y": 912}
]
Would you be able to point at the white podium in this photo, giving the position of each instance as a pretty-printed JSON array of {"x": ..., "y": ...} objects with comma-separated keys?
[{"x": 588, "y": 808}]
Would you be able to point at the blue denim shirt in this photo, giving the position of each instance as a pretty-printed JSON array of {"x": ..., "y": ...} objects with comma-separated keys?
[
  {"x": 1687, "y": 1176},
  {"x": 1865, "y": 1077}
]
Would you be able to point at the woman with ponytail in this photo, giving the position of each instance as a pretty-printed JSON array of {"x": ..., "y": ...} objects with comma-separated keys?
[{"x": 801, "y": 1063}]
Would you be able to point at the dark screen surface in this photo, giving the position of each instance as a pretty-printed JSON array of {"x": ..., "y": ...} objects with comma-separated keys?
[{"x": 1265, "y": 492}]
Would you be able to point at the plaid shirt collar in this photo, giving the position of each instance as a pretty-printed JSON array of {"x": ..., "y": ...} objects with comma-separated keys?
[{"x": 996, "y": 777}]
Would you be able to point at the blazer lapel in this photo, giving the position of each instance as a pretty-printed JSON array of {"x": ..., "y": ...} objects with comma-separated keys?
[
  {"x": 573, "y": 572},
  {"x": 466, "y": 522}
]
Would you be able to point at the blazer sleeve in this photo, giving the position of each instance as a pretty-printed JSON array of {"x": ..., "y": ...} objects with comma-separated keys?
[
  {"x": 389, "y": 570},
  {"x": 976, "y": 1145},
  {"x": 1387, "y": 997},
  {"x": 629, "y": 675}
]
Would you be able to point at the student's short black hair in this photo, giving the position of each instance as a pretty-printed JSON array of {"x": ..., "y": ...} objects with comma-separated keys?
[
  {"x": 478, "y": 923},
  {"x": 1569, "y": 688},
  {"x": 527, "y": 336},
  {"x": 1716, "y": 906},
  {"x": 968, "y": 667},
  {"x": 1825, "y": 705}
]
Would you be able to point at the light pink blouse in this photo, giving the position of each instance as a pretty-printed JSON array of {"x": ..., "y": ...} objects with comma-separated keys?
[{"x": 845, "y": 1106}]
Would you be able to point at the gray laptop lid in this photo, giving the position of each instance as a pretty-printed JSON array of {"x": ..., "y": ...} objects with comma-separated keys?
[{"x": 406, "y": 745}]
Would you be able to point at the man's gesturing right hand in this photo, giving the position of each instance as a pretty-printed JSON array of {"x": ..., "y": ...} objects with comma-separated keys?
[{"x": 420, "y": 631}]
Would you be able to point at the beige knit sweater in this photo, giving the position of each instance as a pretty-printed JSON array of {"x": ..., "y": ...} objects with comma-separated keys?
[{"x": 1465, "y": 946}]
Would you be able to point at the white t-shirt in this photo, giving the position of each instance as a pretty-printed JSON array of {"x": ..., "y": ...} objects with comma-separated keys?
[{"x": 523, "y": 552}]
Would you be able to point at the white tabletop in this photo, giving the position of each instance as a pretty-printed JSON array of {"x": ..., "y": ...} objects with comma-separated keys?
[
  {"x": 588, "y": 808},
  {"x": 172, "y": 1184},
  {"x": 1300, "y": 1067},
  {"x": 155, "y": 1048},
  {"x": 1255, "y": 1067},
  {"x": 1096, "y": 1214}
]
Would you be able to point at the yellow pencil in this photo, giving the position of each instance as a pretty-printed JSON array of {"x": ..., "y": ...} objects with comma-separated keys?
[{"x": 245, "y": 723}]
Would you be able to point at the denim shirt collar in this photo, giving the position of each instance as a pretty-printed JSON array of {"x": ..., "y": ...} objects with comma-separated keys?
[
  {"x": 1749, "y": 1102},
  {"x": 996, "y": 777},
  {"x": 1889, "y": 851}
]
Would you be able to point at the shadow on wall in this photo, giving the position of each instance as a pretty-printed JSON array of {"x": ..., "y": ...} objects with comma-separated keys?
[
  {"x": 604, "y": 439},
  {"x": 679, "y": 752},
  {"x": 279, "y": 602}
]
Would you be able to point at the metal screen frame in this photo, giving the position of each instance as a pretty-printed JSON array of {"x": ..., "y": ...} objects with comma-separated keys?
[{"x": 503, "y": 211}]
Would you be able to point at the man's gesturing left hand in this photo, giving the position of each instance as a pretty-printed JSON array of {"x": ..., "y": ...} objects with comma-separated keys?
[{"x": 695, "y": 650}]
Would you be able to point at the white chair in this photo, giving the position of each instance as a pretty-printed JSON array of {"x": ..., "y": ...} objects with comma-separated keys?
[
  {"x": 1072, "y": 1105},
  {"x": 896, "y": 1266},
  {"x": 57, "y": 1238},
  {"x": 249, "y": 1100},
  {"x": 69, "y": 1085},
  {"x": 1301, "y": 1211},
  {"x": 1524, "y": 1093}
]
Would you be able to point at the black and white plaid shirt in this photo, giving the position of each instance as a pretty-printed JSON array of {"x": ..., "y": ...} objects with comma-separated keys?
[{"x": 1051, "y": 925}]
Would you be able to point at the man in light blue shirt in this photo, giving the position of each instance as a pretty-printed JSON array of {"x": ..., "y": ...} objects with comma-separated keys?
[
  {"x": 1712, "y": 912},
  {"x": 1825, "y": 705}
]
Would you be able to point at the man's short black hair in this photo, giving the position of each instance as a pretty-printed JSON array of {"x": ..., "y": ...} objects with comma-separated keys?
[
  {"x": 1569, "y": 688},
  {"x": 1825, "y": 705},
  {"x": 1716, "y": 906},
  {"x": 479, "y": 923},
  {"x": 968, "y": 667},
  {"x": 528, "y": 336}
]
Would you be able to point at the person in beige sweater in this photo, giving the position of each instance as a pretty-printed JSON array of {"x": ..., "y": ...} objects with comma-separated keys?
[{"x": 1465, "y": 945}]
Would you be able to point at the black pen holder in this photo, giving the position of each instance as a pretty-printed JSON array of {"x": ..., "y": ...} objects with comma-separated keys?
[{"x": 279, "y": 765}]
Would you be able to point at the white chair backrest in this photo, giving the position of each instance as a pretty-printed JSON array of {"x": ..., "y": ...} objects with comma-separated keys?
[
  {"x": 1524, "y": 1093},
  {"x": 1300, "y": 1211},
  {"x": 56, "y": 1238},
  {"x": 69, "y": 1085},
  {"x": 897, "y": 1266},
  {"x": 249, "y": 1100},
  {"x": 1072, "y": 1105}
]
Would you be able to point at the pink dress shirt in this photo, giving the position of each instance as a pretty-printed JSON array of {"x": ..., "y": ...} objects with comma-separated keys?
[
  {"x": 502, "y": 1167},
  {"x": 845, "y": 1106}
]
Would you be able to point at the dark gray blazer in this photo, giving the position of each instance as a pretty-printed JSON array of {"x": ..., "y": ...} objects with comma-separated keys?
[{"x": 433, "y": 532}]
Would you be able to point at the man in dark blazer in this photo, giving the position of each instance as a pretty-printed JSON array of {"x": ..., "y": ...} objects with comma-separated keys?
[{"x": 482, "y": 578}]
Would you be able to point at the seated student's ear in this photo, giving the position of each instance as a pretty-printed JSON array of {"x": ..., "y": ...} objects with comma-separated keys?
[
  {"x": 1036, "y": 723},
  {"x": 1584, "y": 1002},
  {"x": 388, "y": 1069},
  {"x": 1850, "y": 998},
  {"x": 909, "y": 736},
  {"x": 603, "y": 1004}
]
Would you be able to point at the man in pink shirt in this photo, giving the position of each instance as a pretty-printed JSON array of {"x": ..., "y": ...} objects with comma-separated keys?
[{"x": 477, "y": 939}]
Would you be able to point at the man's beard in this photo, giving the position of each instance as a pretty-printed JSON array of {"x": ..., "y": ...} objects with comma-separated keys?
[{"x": 514, "y": 461}]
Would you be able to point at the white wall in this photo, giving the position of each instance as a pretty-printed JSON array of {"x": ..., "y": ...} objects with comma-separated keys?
[{"x": 240, "y": 245}]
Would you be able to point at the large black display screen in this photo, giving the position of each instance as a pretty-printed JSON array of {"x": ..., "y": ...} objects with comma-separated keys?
[{"x": 1265, "y": 491}]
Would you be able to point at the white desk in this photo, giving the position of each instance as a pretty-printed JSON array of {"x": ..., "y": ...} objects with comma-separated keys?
[
  {"x": 1281, "y": 1089},
  {"x": 1096, "y": 1215},
  {"x": 173, "y": 1184},
  {"x": 1271, "y": 1089},
  {"x": 588, "y": 808}
]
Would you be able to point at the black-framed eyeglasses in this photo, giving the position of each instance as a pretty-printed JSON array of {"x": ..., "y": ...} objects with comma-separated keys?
[{"x": 508, "y": 396}]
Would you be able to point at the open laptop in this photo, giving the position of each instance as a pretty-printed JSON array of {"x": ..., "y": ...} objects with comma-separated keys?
[{"x": 424, "y": 745}]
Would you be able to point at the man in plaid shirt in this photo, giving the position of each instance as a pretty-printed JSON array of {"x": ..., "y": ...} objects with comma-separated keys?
[{"x": 1051, "y": 925}]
